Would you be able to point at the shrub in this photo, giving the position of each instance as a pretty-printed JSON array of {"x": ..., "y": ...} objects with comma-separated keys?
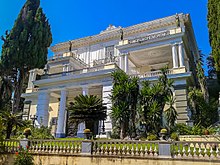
[
  {"x": 152, "y": 137},
  {"x": 174, "y": 136},
  {"x": 41, "y": 133},
  {"x": 23, "y": 157},
  {"x": 183, "y": 129}
]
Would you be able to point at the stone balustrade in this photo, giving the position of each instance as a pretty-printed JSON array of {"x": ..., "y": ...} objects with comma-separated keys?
[
  {"x": 80, "y": 71},
  {"x": 154, "y": 73},
  {"x": 196, "y": 149},
  {"x": 55, "y": 146},
  {"x": 123, "y": 148}
]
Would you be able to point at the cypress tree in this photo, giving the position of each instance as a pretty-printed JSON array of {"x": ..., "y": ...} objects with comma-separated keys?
[
  {"x": 25, "y": 47},
  {"x": 213, "y": 18}
]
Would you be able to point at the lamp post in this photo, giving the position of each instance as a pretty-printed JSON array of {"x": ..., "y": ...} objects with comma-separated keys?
[
  {"x": 103, "y": 127},
  {"x": 33, "y": 118}
]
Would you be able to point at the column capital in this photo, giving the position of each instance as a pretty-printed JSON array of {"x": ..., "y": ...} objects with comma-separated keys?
[
  {"x": 63, "y": 90},
  {"x": 124, "y": 54}
]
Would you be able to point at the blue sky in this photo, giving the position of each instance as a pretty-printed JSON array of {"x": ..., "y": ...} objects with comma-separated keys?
[{"x": 71, "y": 19}]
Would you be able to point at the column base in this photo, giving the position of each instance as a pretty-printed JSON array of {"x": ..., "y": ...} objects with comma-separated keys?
[{"x": 60, "y": 135}]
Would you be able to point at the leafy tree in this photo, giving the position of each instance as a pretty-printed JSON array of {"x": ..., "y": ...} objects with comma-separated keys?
[
  {"x": 211, "y": 67},
  {"x": 204, "y": 114},
  {"x": 213, "y": 18},
  {"x": 170, "y": 112},
  {"x": 201, "y": 77},
  {"x": 26, "y": 46},
  {"x": 88, "y": 109},
  {"x": 5, "y": 92},
  {"x": 153, "y": 98},
  {"x": 124, "y": 103}
]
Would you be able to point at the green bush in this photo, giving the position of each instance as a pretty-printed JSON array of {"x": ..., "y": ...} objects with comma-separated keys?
[
  {"x": 23, "y": 157},
  {"x": 41, "y": 133},
  {"x": 183, "y": 129},
  {"x": 174, "y": 136},
  {"x": 152, "y": 137}
]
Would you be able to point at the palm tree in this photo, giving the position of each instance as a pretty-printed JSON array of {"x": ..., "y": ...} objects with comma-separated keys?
[
  {"x": 170, "y": 112},
  {"x": 124, "y": 102},
  {"x": 10, "y": 120},
  {"x": 152, "y": 101},
  {"x": 88, "y": 109}
]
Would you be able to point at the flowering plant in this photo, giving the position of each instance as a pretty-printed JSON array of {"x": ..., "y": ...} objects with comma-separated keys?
[{"x": 23, "y": 157}]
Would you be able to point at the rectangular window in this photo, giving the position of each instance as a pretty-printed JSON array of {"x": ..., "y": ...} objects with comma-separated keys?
[{"x": 109, "y": 53}]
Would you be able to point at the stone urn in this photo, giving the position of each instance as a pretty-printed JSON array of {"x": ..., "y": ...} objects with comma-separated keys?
[
  {"x": 87, "y": 134},
  {"x": 163, "y": 133},
  {"x": 27, "y": 132}
]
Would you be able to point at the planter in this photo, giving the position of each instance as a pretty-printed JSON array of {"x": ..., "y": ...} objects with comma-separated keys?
[{"x": 87, "y": 135}]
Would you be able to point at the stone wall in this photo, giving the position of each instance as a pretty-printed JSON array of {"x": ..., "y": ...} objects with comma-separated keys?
[{"x": 97, "y": 160}]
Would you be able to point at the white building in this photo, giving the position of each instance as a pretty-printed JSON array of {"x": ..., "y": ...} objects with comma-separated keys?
[{"x": 84, "y": 66}]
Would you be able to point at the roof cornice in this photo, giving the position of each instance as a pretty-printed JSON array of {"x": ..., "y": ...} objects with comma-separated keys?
[{"x": 115, "y": 34}]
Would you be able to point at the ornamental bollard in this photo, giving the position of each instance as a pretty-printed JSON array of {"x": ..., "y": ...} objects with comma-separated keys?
[
  {"x": 87, "y": 143},
  {"x": 164, "y": 149},
  {"x": 24, "y": 142}
]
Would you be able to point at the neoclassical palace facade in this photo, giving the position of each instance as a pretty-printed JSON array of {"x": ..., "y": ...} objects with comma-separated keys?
[{"x": 84, "y": 66}]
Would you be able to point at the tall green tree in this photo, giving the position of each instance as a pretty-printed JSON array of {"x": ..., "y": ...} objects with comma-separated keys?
[
  {"x": 201, "y": 77},
  {"x": 153, "y": 98},
  {"x": 213, "y": 18},
  {"x": 26, "y": 46},
  {"x": 124, "y": 98}
]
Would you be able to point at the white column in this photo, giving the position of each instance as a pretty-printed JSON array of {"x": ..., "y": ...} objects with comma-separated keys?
[
  {"x": 60, "y": 133},
  {"x": 126, "y": 63},
  {"x": 82, "y": 126},
  {"x": 121, "y": 62},
  {"x": 181, "y": 54},
  {"x": 106, "y": 91},
  {"x": 32, "y": 77},
  {"x": 42, "y": 108},
  {"x": 174, "y": 55}
]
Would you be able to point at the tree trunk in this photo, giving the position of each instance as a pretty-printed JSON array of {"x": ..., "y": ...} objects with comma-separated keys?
[
  {"x": 8, "y": 131},
  {"x": 122, "y": 132},
  {"x": 18, "y": 91}
]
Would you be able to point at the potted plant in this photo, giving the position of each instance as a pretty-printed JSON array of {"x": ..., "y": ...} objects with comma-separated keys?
[
  {"x": 163, "y": 133},
  {"x": 87, "y": 134},
  {"x": 27, "y": 132}
]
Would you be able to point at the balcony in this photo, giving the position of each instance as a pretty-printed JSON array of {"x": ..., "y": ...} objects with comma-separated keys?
[
  {"x": 80, "y": 71},
  {"x": 66, "y": 56},
  {"x": 159, "y": 73}
]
